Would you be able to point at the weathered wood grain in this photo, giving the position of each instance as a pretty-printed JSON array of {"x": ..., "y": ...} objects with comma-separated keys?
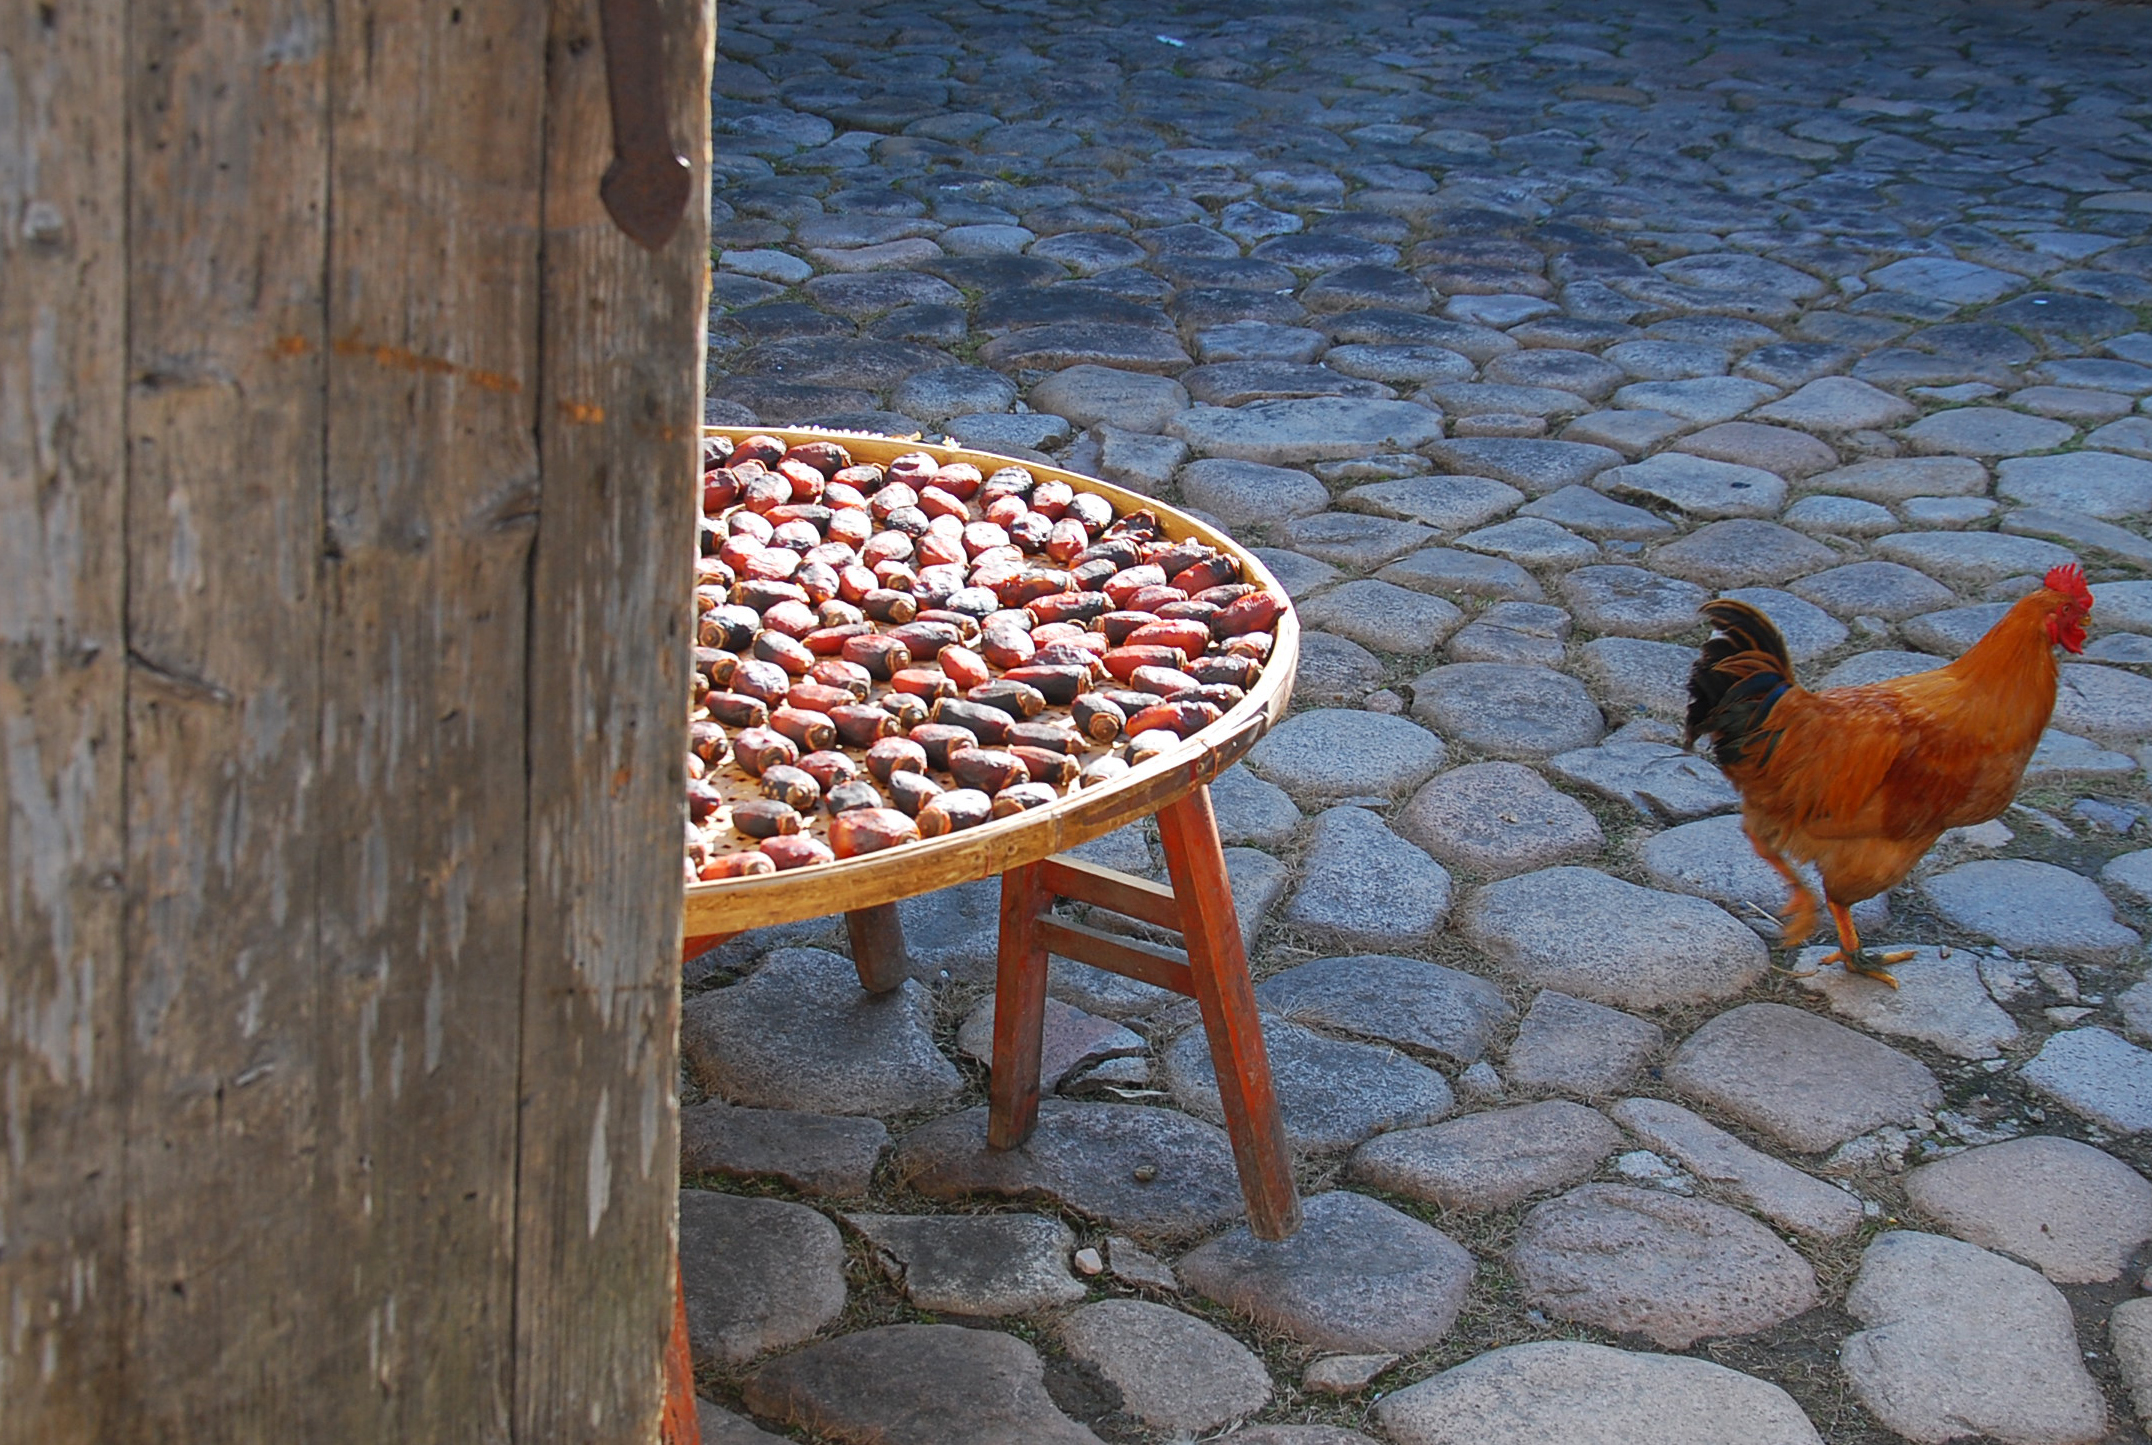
[
  {"x": 430, "y": 508},
  {"x": 618, "y": 424},
  {"x": 227, "y": 125},
  {"x": 62, "y": 720}
]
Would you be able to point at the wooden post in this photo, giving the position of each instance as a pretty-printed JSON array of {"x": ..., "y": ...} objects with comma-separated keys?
[{"x": 343, "y": 521}]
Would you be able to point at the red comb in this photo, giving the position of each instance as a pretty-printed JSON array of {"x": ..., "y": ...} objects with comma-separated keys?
[{"x": 2070, "y": 582}]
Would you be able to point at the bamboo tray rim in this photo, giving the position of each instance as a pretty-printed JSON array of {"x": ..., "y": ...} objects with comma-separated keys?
[{"x": 734, "y": 904}]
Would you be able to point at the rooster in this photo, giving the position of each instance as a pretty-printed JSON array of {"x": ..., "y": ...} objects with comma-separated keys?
[{"x": 1861, "y": 781}]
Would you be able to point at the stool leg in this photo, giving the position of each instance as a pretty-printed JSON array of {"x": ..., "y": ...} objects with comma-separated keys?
[
  {"x": 878, "y": 950},
  {"x": 678, "y": 1426},
  {"x": 1219, "y": 962},
  {"x": 1019, "y": 1008}
]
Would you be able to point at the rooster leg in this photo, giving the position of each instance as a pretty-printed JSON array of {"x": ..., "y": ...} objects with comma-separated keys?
[
  {"x": 1800, "y": 919},
  {"x": 1854, "y": 957}
]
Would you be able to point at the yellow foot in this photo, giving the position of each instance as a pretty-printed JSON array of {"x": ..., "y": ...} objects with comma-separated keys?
[{"x": 1867, "y": 965}]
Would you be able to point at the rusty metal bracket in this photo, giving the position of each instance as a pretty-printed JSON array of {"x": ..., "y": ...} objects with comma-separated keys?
[{"x": 646, "y": 188}]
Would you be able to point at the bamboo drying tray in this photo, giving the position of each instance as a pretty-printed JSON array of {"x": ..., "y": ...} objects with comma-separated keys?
[{"x": 733, "y": 904}]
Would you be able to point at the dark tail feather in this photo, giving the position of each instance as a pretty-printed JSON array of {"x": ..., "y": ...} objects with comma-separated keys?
[{"x": 1740, "y": 676}]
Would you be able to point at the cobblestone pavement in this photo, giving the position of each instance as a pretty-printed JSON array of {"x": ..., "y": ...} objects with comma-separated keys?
[{"x": 1512, "y": 334}]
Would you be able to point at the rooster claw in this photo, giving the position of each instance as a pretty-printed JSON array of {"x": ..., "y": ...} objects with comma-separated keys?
[
  {"x": 1791, "y": 972},
  {"x": 1868, "y": 965}
]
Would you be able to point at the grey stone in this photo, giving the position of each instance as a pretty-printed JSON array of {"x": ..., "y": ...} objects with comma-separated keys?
[
  {"x": 1578, "y": 1047},
  {"x": 1594, "y": 514},
  {"x": 1986, "y": 431},
  {"x": 1972, "y": 559},
  {"x": 1250, "y": 811},
  {"x": 1396, "y": 1000},
  {"x": 1534, "y": 466},
  {"x": 1949, "y": 512},
  {"x": 1334, "y": 671},
  {"x": 2093, "y": 1073},
  {"x": 1647, "y": 676},
  {"x": 1632, "y": 433},
  {"x": 1266, "y": 341},
  {"x": 1659, "y": 780},
  {"x": 1742, "y": 552},
  {"x": 2031, "y": 907},
  {"x": 1330, "y": 754},
  {"x": 956, "y": 931},
  {"x": 1343, "y": 1375},
  {"x": 1652, "y": 360},
  {"x": 2129, "y": 1333},
  {"x": 2086, "y": 535},
  {"x": 1778, "y": 1191},
  {"x": 1702, "y": 488},
  {"x": 1513, "y": 712},
  {"x": 1497, "y": 819},
  {"x": 1299, "y": 576},
  {"x": 1791, "y": 454},
  {"x": 1896, "y": 479},
  {"x": 1088, "y": 395},
  {"x": 1809, "y": 631},
  {"x": 935, "y": 396},
  {"x": 1072, "y": 1040},
  {"x": 1235, "y": 383},
  {"x": 1632, "y": 601},
  {"x": 1489, "y": 1160},
  {"x": 1331, "y": 1093},
  {"x": 1244, "y": 493},
  {"x": 1807, "y": 1082},
  {"x": 2076, "y": 1213},
  {"x": 1063, "y": 344},
  {"x": 1462, "y": 574},
  {"x": 1464, "y": 400},
  {"x": 1960, "y": 1341},
  {"x": 1638, "y": 1261},
  {"x": 1599, "y": 938},
  {"x": 2104, "y": 703},
  {"x": 800, "y": 1033},
  {"x": 2131, "y": 875},
  {"x": 2062, "y": 755},
  {"x": 1711, "y": 858},
  {"x": 1008, "y": 433},
  {"x": 916, "y": 1385},
  {"x": 1954, "y": 629},
  {"x": 814, "y": 1153},
  {"x": 1579, "y": 372},
  {"x": 1873, "y": 589},
  {"x": 2123, "y": 604},
  {"x": 1944, "y": 278},
  {"x": 1400, "y": 365},
  {"x": 1533, "y": 541},
  {"x": 1494, "y": 641},
  {"x": 1551, "y": 1390},
  {"x": 1703, "y": 400},
  {"x": 975, "y": 1264},
  {"x": 1359, "y": 1276},
  {"x": 1362, "y": 885},
  {"x": 1300, "y": 1435},
  {"x": 1838, "y": 404},
  {"x": 1354, "y": 539},
  {"x": 1879, "y": 666},
  {"x": 719, "y": 1426},
  {"x": 1447, "y": 504},
  {"x": 1174, "y": 1372},
  {"x": 2131, "y": 436},
  {"x": 1795, "y": 362},
  {"x": 1311, "y": 429},
  {"x": 1153, "y": 1172},
  {"x": 1841, "y": 516},
  {"x": 1138, "y": 461},
  {"x": 1258, "y": 881},
  {"x": 1383, "y": 616},
  {"x": 757, "y": 1274},
  {"x": 1137, "y": 1267},
  {"x": 1938, "y": 1001}
]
